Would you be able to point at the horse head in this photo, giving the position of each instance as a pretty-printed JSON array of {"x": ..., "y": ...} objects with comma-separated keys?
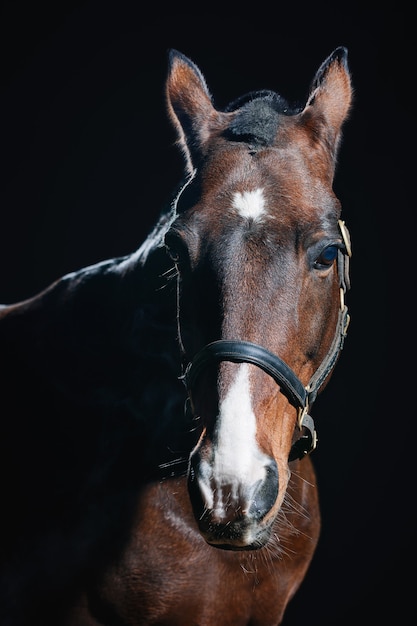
[{"x": 261, "y": 258}]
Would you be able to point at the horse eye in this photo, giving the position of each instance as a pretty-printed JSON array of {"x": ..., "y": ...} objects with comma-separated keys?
[
  {"x": 326, "y": 257},
  {"x": 170, "y": 248},
  {"x": 174, "y": 246},
  {"x": 173, "y": 254}
]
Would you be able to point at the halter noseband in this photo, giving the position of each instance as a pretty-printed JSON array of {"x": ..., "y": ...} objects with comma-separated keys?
[{"x": 300, "y": 396}]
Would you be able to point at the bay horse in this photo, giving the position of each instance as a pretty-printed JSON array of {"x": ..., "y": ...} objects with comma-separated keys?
[{"x": 156, "y": 420}]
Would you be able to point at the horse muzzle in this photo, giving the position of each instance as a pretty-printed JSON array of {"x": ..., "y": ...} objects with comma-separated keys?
[{"x": 233, "y": 514}]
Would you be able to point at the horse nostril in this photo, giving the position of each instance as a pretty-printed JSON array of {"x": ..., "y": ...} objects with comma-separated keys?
[{"x": 266, "y": 493}]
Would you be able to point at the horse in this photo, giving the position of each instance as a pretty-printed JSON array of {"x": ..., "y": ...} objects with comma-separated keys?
[{"x": 156, "y": 413}]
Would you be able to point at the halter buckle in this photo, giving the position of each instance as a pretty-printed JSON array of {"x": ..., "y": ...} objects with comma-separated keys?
[{"x": 308, "y": 440}]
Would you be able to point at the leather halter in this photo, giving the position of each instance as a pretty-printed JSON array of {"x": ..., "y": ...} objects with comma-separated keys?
[{"x": 300, "y": 396}]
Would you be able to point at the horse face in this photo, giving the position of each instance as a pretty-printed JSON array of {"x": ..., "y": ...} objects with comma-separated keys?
[{"x": 255, "y": 241}]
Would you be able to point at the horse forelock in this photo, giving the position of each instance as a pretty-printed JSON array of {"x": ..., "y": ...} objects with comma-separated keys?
[{"x": 257, "y": 117}]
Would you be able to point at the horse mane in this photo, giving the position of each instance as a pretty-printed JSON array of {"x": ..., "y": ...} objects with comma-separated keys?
[{"x": 257, "y": 117}]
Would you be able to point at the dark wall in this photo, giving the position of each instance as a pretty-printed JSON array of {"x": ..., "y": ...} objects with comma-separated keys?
[{"x": 88, "y": 161}]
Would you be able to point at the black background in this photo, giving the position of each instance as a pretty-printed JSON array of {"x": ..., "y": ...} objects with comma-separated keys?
[{"x": 88, "y": 161}]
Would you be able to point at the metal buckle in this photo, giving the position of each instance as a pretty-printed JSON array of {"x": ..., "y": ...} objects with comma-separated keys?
[{"x": 306, "y": 421}]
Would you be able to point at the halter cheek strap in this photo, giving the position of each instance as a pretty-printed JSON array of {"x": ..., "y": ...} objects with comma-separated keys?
[{"x": 300, "y": 396}]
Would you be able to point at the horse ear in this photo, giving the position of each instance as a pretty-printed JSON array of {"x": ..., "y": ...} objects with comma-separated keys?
[
  {"x": 330, "y": 98},
  {"x": 189, "y": 106}
]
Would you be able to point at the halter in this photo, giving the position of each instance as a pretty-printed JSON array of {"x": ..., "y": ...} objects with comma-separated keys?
[{"x": 300, "y": 396}]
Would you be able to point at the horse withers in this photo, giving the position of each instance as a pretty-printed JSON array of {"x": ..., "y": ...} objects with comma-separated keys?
[{"x": 171, "y": 390}]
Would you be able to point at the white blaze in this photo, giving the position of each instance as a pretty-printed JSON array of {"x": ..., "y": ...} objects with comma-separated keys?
[{"x": 238, "y": 460}]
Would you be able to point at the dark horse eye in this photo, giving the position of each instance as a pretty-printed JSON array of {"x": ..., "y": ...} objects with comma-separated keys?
[
  {"x": 171, "y": 244},
  {"x": 326, "y": 257},
  {"x": 173, "y": 254},
  {"x": 176, "y": 247}
]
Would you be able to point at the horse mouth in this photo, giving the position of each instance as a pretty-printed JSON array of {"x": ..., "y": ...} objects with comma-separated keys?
[
  {"x": 238, "y": 548},
  {"x": 235, "y": 536}
]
